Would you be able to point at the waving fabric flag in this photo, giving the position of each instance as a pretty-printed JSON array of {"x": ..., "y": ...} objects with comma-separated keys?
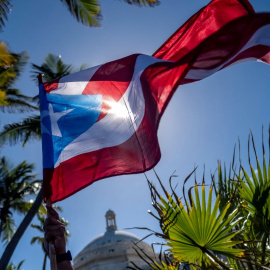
[{"x": 103, "y": 121}]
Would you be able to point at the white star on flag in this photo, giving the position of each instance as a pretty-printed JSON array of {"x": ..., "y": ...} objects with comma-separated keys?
[{"x": 55, "y": 116}]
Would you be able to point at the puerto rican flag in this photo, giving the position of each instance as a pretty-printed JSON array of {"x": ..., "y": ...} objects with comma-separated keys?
[{"x": 103, "y": 121}]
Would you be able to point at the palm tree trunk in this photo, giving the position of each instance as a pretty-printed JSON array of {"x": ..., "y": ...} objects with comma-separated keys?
[{"x": 19, "y": 232}]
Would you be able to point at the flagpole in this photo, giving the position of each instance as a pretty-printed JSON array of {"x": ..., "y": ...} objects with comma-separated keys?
[{"x": 52, "y": 254}]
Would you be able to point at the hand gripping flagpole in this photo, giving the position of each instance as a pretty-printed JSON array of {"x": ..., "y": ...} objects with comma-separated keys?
[
  {"x": 52, "y": 253},
  {"x": 48, "y": 168}
]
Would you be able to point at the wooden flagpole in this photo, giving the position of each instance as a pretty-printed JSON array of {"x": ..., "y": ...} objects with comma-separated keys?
[{"x": 52, "y": 254}]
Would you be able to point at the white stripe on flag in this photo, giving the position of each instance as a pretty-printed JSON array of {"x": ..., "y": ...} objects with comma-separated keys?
[{"x": 75, "y": 83}]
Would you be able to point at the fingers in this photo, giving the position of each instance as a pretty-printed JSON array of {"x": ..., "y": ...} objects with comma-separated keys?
[
  {"x": 53, "y": 231},
  {"x": 53, "y": 235},
  {"x": 51, "y": 221},
  {"x": 58, "y": 228},
  {"x": 51, "y": 212}
]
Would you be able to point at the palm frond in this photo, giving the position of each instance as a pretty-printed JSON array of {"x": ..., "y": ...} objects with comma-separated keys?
[
  {"x": 19, "y": 265},
  {"x": 165, "y": 261},
  {"x": 197, "y": 233},
  {"x": 6, "y": 58},
  {"x": 16, "y": 102},
  {"x": 5, "y": 8},
  {"x": 12, "y": 266},
  {"x": 140, "y": 3},
  {"x": 11, "y": 66},
  {"x": 255, "y": 190},
  {"x": 16, "y": 184},
  {"x": 9, "y": 229},
  {"x": 85, "y": 11},
  {"x": 52, "y": 68},
  {"x": 10, "y": 73},
  {"x": 255, "y": 194},
  {"x": 24, "y": 131},
  {"x": 37, "y": 239},
  {"x": 19, "y": 65},
  {"x": 226, "y": 187},
  {"x": 3, "y": 101}
]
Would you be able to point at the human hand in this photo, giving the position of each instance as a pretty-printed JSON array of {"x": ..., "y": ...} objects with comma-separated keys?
[{"x": 54, "y": 232}]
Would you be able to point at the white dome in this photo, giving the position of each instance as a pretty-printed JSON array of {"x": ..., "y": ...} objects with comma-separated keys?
[
  {"x": 111, "y": 238},
  {"x": 112, "y": 250}
]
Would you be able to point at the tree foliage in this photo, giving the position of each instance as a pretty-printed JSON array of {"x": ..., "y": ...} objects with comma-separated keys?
[
  {"x": 11, "y": 67},
  {"x": 28, "y": 128},
  {"x": 16, "y": 184},
  {"x": 87, "y": 12},
  {"x": 12, "y": 266}
]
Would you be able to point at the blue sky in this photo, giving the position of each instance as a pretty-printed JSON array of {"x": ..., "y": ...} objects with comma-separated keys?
[{"x": 200, "y": 126}]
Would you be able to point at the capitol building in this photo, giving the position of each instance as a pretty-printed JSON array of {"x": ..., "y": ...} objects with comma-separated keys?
[{"x": 112, "y": 250}]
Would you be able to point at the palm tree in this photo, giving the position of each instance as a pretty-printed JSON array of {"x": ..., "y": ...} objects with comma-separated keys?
[
  {"x": 40, "y": 239},
  {"x": 16, "y": 183},
  {"x": 53, "y": 67},
  {"x": 87, "y": 12},
  {"x": 11, "y": 246},
  {"x": 11, "y": 67},
  {"x": 250, "y": 192}
]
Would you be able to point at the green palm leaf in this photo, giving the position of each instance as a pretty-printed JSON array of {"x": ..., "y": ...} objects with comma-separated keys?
[
  {"x": 16, "y": 102},
  {"x": 11, "y": 67},
  {"x": 5, "y": 7},
  {"x": 16, "y": 183},
  {"x": 28, "y": 128},
  {"x": 8, "y": 229},
  {"x": 52, "y": 68},
  {"x": 88, "y": 12},
  {"x": 150, "y": 3},
  {"x": 10, "y": 73},
  {"x": 12, "y": 266},
  {"x": 85, "y": 11},
  {"x": 197, "y": 233},
  {"x": 255, "y": 193},
  {"x": 165, "y": 261},
  {"x": 6, "y": 58}
]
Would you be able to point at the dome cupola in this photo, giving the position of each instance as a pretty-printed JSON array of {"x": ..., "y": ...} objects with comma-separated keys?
[
  {"x": 110, "y": 221},
  {"x": 112, "y": 250}
]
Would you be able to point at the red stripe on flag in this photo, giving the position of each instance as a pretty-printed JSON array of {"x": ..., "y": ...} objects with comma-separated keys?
[
  {"x": 200, "y": 26},
  {"x": 127, "y": 158},
  {"x": 48, "y": 87},
  {"x": 111, "y": 81}
]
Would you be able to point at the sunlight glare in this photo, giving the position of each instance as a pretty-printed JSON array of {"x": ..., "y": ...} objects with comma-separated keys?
[{"x": 117, "y": 109}]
